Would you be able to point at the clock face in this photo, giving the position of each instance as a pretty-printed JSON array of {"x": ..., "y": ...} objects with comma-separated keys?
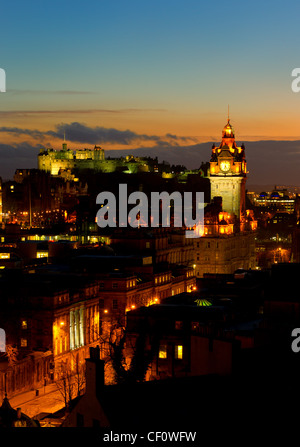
[{"x": 225, "y": 165}]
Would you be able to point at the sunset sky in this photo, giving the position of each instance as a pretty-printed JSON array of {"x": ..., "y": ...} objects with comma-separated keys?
[{"x": 144, "y": 73}]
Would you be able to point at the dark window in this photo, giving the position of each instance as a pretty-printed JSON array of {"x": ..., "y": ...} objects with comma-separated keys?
[
  {"x": 79, "y": 420},
  {"x": 96, "y": 423},
  {"x": 178, "y": 325},
  {"x": 194, "y": 325}
]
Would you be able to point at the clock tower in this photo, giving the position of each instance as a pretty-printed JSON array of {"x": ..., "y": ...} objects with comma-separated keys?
[{"x": 228, "y": 171}]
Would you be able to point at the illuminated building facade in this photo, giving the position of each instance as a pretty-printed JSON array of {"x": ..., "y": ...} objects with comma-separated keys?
[
  {"x": 223, "y": 250},
  {"x": 76, "y": 326},
  {"x": 228, "y": 171},
  {"x": 277, "y": 200},
  {"x": 228, "y": 240},
  {"x": 59, "y": 162}
]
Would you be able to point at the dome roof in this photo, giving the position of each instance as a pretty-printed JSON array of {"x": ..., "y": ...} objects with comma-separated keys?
[
  {"x": 275, "y": 194},
  {"x": 106, "y": 250},
  {"x": 223, "y": 222},
  {"x": 228, "y": 131},
  {"x": 203, "y": 302}
]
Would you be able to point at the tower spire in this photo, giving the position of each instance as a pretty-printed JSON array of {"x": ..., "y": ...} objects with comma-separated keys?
[
  {"x": 228, "y": 119},
  {"x": 64, "y": 143}
]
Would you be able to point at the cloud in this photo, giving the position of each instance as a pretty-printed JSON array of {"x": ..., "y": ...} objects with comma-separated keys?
[
  {"x": 50, "y": 92},
  {"x": 81, "y": 133},
  {"x": 18, "y": 131},
  {"x": 14, "y": 156},
  {"x": 13, "y": 113}
]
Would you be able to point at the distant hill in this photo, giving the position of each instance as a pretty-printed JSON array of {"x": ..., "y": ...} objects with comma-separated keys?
[
  {"x": 269, "y": 162},
  {"x": 189, "y": 156}
]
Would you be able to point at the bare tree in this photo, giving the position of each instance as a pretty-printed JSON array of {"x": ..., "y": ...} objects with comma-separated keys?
[
  {"x": 127, "y": 359},
  {"x": 71, "y": 384},
  {"x": 12, "y": 355}
]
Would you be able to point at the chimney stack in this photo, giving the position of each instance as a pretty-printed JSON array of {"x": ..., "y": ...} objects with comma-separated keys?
[{"x": 94, "y": 372}]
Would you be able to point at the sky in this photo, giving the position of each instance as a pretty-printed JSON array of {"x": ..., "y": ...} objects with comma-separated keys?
[{"x": 138, "y": 74}]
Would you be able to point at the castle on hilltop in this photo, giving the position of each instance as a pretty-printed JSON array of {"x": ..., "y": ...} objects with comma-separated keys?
[{"x": 58, "y": 161}]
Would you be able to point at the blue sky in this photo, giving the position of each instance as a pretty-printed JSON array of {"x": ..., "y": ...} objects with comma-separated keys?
[{"x": 189, "y": 54}]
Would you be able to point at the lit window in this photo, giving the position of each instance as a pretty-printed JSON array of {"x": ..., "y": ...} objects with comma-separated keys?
[
  {"x": 162, "y": 354},
  {"x": 23, "y": 342},
  {"x": 24, "y": 324},
  {"x": 178, "y": 352},
  {"x": 42, "y": 254},
  {"x": 195, "y": 325},
  {"x": 178, "y": 325}
]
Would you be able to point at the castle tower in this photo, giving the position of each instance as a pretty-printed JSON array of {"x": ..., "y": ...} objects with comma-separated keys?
[
  {"x": 228, "y": 171},
  {"x": 64, "y": 145}
]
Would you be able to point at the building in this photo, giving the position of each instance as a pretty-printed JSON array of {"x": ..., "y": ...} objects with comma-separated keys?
[
  {"x": 278, "y": 200},
  {"x": 228, "y": 239},
  {"x": 65, "y": 161},
  {"x": 164, "y": 245},
  {"x": 224, "y": 252},
  {"x": 182, "y": 339},
  {"x": 9, "y": 417},
  {"x": 50, "y": 320},
  {"x": 228, "y": 171}
]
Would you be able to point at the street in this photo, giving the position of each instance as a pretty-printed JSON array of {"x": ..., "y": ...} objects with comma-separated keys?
[{"x": 49, "y": 400}]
